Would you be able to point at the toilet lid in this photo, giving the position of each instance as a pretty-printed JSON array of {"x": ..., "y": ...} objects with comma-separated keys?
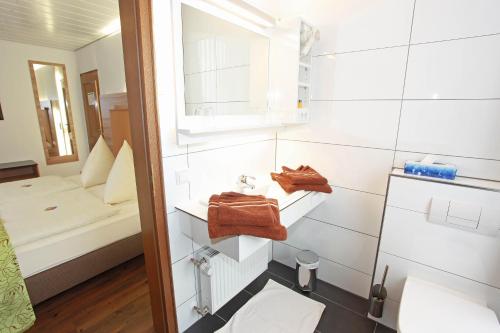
[{"x": 427, "y": 307}]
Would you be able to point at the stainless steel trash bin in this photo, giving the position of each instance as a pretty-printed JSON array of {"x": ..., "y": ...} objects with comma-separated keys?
[{"x": 305, "y": 271}]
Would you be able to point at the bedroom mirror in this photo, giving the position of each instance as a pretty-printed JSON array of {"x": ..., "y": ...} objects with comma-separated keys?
[
  {"x": 225, "y": 66},
  {"x": 53, "y": 108}
]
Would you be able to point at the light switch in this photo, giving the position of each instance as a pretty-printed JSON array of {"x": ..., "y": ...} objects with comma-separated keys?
[
  {"x": 464, "y": 211},
  {"x": 438, "y": 210}
]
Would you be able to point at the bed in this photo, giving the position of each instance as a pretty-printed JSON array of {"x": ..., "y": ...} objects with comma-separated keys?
[{"x": 64, "y": 255}]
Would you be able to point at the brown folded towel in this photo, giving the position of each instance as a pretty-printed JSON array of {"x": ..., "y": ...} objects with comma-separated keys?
[
  {"x": 304, "y": 175},
  {"x": 232, "y": 213},
  {"x": 286, "y": 184}
]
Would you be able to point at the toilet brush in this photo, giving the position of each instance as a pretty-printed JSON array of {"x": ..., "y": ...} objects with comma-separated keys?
[{"x": 378, "y": 296}]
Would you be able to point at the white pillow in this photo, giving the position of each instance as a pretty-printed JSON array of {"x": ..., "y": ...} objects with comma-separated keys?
[
  {"x": 120, "y": 185},
  {"x": 96, "y": 169}
]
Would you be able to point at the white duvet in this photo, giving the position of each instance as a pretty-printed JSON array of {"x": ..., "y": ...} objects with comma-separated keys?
[
  {"x": 37, "y": 217},
  {"x": 22, "y": 189}
]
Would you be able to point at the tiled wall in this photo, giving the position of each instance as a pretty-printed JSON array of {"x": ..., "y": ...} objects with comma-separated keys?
[
  {"x": 392, "y": 80},
  {"x": 208, "y": 164}
]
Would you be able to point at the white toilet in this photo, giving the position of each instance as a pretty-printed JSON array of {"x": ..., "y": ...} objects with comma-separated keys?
[{"x": 428, "y": 307}]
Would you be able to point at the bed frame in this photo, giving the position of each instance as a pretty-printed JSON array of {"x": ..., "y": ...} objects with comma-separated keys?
[{"x": 55, "y": 280}]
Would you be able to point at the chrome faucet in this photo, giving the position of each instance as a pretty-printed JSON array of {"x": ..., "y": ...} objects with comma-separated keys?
[{"x": 243, "y": 182}]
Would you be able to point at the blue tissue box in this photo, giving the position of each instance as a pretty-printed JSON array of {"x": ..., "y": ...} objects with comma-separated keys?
[{"x": 444, "y": 171}]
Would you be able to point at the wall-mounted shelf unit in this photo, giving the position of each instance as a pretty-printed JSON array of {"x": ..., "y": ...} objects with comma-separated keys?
[{"x": 290, "y": 70}]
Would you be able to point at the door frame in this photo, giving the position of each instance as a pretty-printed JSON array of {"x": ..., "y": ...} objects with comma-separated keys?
[
  {"x": 137, "y": 40},
  {"x": 85, "y": 102}
]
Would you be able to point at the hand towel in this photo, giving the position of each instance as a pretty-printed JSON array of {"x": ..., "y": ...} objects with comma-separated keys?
[
  {"x": 286, "y": 184},
  {"x": 231, "y": 214},
  {"x": 238, "y": 209},
  {"x": 304, "y": 175}
]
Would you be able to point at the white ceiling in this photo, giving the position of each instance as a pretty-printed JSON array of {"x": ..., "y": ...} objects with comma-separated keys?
[{"x": 62, "y": 24}]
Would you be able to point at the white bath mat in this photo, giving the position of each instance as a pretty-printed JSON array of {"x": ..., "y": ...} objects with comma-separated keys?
[{"x": 276, "y": 309}]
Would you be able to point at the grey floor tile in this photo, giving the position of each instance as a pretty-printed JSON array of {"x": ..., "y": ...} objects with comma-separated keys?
[
  {"x": 335, "y": 294},
  {"x": 282, "y": 271},
  {"x": 207, "y": 324},
  {"x": 228, "y": 310},
  {"x": 336, "y": 319},
  {"x": 384, "y": 329},
  {"x": 261, "y": 281}
]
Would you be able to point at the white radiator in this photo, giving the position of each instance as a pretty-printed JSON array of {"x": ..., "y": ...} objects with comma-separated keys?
[{"x": 220, "y": 278}]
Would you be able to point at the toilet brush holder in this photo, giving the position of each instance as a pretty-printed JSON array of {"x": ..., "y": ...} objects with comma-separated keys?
[{"x": 377, "y": 299}]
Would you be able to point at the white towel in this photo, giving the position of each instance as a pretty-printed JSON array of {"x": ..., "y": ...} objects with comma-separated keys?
[{"x": 276, "y": 309}]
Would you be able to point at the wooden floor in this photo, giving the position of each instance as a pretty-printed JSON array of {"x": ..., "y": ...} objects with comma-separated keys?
[{"x": 115, "y": 301}]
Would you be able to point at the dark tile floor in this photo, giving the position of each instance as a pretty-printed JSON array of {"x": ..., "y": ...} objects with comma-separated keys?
[{"x": 344, "y": 312}]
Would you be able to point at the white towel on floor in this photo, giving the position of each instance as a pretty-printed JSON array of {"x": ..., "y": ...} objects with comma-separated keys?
[{"x": 276, "y": 309}]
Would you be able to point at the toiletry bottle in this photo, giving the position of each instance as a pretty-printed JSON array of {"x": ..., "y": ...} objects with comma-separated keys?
[{"x": 299, "y": 104}]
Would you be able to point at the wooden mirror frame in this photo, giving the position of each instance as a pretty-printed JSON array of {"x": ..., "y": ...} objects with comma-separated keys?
[{"x": 54, "y": 159}]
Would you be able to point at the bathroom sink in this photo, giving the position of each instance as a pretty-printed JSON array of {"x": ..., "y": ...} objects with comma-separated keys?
[
  {"x": 264, "y": 185},
  {"x": 194, "y": 216}
]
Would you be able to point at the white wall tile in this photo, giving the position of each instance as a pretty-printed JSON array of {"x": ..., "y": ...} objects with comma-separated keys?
[
  {"x": 362, "y": 169},
  {"x": 174, "y": 193},
  {"x": 184, "y": 280},
  {"x": 214, "y": 170},
  {"x": 338, "y": 275},
  {"x": 186, "y": 315},
  {"x": 466, "y": 68},
  {"x": 409, "y": 235},
  {"x": 353, "y": 210},
  {"x": 449, "y": 19},
  {"x": 357, "y": 123},
  {"x": 461, "y": 128},
  {"x": 180, "y": 245},
  {"x": 168, "y": 129},
  {"x": 376, "y": 74},
  {"x": 231, "y": 140},
  {"x": 365, "y": 25},
  {"x": 199, "y": 56},
  {"x": 201, "y": 87},
  {"x": 349, "y": 25},
  {"x": 232, "y": 52},
  {"x": 233, "y": 84},
  {"x": 467, "y": 167},
  {"x": 340, "y": 245}
]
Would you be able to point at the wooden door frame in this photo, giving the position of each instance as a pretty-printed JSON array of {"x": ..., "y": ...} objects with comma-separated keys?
[
  {"x": 137, "y": 40},
  {"x": 85, "y": 101}
]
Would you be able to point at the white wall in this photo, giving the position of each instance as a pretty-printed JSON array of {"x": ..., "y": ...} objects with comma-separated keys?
[
  {"x": 208, "y": 164},
  {"x": 389, "y": 83},
  {"x": 105, "y": 55},
  {"x": 20, "y": 137}
]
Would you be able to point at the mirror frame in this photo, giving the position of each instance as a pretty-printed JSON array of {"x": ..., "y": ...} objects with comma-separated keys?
[
  {"x": 54, "y": 159},
  {"x": 191, "y": 124}
]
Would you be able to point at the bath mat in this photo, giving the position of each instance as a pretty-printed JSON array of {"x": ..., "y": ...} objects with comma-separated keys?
[{"x": 276, "y": 309}]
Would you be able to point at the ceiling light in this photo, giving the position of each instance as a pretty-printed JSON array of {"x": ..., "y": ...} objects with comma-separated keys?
[{"x": 112, "y": 27}]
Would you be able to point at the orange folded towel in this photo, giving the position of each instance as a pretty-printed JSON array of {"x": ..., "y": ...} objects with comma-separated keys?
[
  {"x": 232, "y": 213},
  {"x": 290, "y": 185},
  {"x": 304, "y": 175}
]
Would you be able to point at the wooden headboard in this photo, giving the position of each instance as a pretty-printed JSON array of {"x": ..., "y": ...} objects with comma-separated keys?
[
  {"x": 115, "y": 120},
  {"x": 120, "y": 129}
]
